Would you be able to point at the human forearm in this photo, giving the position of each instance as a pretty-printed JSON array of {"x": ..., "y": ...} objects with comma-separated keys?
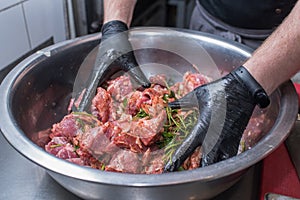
[
  {"x": 278, "y": 59},
  {"x": 121, "y": 10}
]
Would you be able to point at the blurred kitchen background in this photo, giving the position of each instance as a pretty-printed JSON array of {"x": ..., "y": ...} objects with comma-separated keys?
[{"x": 30, "y": 25}]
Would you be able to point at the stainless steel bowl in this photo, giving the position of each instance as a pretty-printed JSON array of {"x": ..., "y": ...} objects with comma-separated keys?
[{"x": 36, "y": 92}]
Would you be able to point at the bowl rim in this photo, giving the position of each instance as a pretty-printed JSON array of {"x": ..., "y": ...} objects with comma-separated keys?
[{"x": 219, "y": 170}]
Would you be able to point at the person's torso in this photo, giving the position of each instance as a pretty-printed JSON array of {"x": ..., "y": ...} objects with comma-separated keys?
[{"x": 250, "y": 14}]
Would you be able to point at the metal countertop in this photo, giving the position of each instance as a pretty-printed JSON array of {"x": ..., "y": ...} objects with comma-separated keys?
[{"x": 22, "y": 179}]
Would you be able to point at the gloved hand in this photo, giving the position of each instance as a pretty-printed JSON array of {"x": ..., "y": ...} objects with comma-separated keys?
[
  {"x": 225, "y": 107},
  {"x": 114, "y": 48},
  {"x": 115, "y": 44}
]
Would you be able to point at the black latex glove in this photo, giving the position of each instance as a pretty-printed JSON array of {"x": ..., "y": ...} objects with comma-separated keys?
[
  {"x": 225, "y": 107},
  {"x": 114, "y": 48},
  {"x": 115, "y": 41}
]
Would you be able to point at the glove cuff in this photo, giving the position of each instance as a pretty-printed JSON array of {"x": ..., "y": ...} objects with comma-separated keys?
[
  {"x": 113, "y": 27},
  {"x": 246, "y": 79}
]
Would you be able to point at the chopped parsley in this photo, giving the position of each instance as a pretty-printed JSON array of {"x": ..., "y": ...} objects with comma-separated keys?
[
  {"x": 125, "y": 102},
  {"x": 141, "y": 114}
]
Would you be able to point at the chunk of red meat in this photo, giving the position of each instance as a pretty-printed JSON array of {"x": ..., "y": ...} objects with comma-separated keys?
[
  {"x": 160, "y": 90},
  {"x": 148, "y": 130},
  {"x": 124, "y": 140},
  {"x": 145, "y": 99},
  {"x": 120, "y": 87},
  {"x": 124, "y": 161},
  {"x": 155, "y": 96},
  {"x": 97, "y": 143},
  {"x": 159, "y": 79},
  {"x": 68, "y": 151},
  {"x": 77, "y": 161},
  {"x": 60, "y": 147},
  {"x": 190, "y": 82},
  {"x": 87, "y": 159},
  {"x": 193, "y": 80},
  {"x": 193, "y": 161},
  {"x": 101, "y": 105},
  {"x": 76, "y": 102},
  {"x": 56, "y": 144},
  {"x": 135, "y": 101},
  {"x": 74, "y": 124},
  {"x": 142, "y": 133},
  {"x": 66, "y": 128},
  {"x": 254, "y": 131},
  {"x": 153, "y": 161},
  {"x": 42, "y": 138},
  {"x": 153, "y": 110},
  {"x": 156, "y": 167},
  {"x": 115, "y": 128}
]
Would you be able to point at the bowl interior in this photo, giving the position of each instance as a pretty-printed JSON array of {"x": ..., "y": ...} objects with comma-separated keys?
[{"x": 45, "y": 86}]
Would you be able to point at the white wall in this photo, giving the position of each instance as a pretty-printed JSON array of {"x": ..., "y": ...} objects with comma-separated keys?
[
  {"x": 25, "y": 24},
  {"x": 13, "y": 37}
]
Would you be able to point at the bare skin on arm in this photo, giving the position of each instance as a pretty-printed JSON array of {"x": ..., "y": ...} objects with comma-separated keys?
[
  {"x": 278, "y": 59},
  {"x": 121, "y": 10}
]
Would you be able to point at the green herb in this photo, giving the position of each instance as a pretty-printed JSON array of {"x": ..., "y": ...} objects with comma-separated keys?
[
  {"x": 141, "y": 114},
  {"x": 76, "y": 147},
  {"x": 243, "y": 145},
  {"x": 180, "y": 168},
  {"x": 81, "y": 124},
  {"x": 125, "y": 102},
  {"x": 85, "y": 114},
  {"x": 176, "y": 130},
  {"x": 165, "y": 97},
  {"x": 55, "y": 145},
  {"x": 171, "y": 94},
  {"x": 167, "y": 138}
]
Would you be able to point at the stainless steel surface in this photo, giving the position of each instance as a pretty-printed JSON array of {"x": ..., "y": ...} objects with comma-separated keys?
[
  {"x": 36, "y": 93},
  {"x": 272, "y": 196},
  {"x": 21, "y": 179},
  {"x": 293, "y": 146}
]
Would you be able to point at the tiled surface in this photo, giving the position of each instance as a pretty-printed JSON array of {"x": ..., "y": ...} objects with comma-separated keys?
[
  {"x": 36, "y": 15},
  {"x": 7, "y": 3},
  {"x": 25, "y": 24},
  {"x": 13, "y": 36},
  {"x": 57, "y": 19}
]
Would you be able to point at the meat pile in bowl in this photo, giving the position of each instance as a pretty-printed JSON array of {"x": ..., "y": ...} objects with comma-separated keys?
[{"x": 131, "y": 130}]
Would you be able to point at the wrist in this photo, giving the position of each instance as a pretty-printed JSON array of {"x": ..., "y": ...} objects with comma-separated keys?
[
  {"x": 259, "y": 95},
  {"x": 113, "y": 27}
]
